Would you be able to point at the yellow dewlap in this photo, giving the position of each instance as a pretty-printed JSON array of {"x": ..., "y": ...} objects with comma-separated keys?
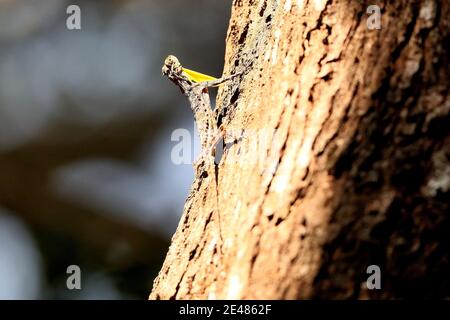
[{"x": 195, "y": 76}]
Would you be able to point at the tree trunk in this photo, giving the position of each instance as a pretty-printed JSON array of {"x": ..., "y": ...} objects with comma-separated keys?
[{"x": 336, "y": 158}]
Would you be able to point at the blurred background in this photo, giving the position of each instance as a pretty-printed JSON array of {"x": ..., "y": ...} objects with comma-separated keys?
[{"x": 86, "y": 120}]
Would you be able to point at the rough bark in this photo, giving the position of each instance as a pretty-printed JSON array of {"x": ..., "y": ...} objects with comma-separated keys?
[{"x": 336, "y": 158}]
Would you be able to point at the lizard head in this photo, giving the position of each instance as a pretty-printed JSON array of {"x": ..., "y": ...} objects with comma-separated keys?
[{"x": 172, "y": 67}]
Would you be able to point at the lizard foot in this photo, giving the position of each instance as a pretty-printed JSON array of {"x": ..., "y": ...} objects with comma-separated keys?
[{"x": 200, "y": 168}]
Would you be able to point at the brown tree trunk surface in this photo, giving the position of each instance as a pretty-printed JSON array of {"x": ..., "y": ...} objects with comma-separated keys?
[{"x": 336, "y": 158}]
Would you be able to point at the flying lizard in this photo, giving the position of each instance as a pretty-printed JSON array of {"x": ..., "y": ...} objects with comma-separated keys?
[{"x": 195, "y": 85}]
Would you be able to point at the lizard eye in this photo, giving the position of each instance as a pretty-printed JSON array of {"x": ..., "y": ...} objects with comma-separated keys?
[{"x": 171, "y": 60}]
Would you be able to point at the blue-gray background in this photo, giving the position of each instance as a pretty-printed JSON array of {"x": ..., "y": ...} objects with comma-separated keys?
[{"x": 86, "y": 119}]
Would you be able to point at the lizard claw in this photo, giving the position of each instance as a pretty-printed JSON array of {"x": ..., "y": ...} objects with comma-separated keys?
[{"x": 200, "y": 168}]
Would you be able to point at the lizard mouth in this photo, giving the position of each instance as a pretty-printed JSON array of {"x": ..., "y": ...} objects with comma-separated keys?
[{"x": 166, "y": 70}]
